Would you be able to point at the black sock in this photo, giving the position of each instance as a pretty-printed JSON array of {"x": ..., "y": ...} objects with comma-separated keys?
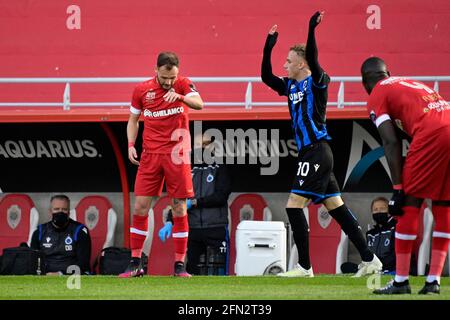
[
  {"x": 401, "y": 284},
  {"x": 136, "y": 260},
  {"x": 300, "y": 232},
  {"x": 350, "y": 226}
]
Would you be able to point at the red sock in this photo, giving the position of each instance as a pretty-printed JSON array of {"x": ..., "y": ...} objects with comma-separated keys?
[
  {"x": 180, "y": 237},
  {"x": 138, "y": 233},
  {"x": 405, "y": 235},
  {"x": 441, "y": 239}
]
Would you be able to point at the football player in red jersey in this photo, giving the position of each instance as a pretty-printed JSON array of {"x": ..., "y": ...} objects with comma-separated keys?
[
  {"x": 424, "y": 116},
  {"x": 163, "y": 101}
]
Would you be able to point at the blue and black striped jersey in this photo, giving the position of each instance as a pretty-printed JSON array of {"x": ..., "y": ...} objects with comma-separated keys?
[{"x": 307, "y": 106}]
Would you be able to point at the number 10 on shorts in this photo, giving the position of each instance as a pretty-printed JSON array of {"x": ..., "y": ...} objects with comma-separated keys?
[{"x": 303, "y": 169}]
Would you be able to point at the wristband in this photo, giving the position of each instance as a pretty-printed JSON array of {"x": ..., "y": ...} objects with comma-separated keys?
[
  {"x": 130, "y": 144},
  {"x": 398, "y": 186}
]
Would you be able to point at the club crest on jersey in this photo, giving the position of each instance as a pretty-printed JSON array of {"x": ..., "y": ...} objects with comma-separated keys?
[
  {"x": 68, "y": 240},
  {"x": 150, "y": 96}
]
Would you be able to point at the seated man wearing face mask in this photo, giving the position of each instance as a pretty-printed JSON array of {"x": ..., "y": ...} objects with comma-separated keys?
[
  {"x": 63, "y": 241},
  {"x": 380, "y": 239}
]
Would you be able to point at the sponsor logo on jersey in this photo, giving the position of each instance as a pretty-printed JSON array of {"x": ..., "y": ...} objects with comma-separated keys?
[
  {"x": 296, "y": 97},
  {"x": 163, "y": 113},
  {"x": 48, "y": 244}
]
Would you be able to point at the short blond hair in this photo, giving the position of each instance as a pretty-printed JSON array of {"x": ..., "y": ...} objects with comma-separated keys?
[{"x": 299, "y": 49}]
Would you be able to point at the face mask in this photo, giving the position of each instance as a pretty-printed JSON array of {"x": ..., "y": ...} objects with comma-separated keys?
[
  {"x": 380, "y": 218},
  {"x": 60, "y": 219}
]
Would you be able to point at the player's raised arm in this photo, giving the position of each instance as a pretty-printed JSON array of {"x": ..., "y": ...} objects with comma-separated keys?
[
  {"x": 194, "y": 102},
  {"x": 267, "y": 76},
  {"x": 191, "y": 100},
  {"x": 312, "y": 53}
]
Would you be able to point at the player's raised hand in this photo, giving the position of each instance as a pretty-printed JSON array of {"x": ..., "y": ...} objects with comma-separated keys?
[
  {"x": 273, "y": 29},
  {"x": 271, "y": 38},
  {"x": 316, "y": 19},
  {"x": 172, "y": 96}
]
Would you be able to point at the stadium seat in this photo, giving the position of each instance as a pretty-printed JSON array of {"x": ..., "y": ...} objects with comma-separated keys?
[
  {"x": 247, "y": 206},
  {"x": 328, "y": 244},
  {"x": 18, "y": 220},
  {"x": 97, "y": 214},
  {"x": 160, "y": 254}
]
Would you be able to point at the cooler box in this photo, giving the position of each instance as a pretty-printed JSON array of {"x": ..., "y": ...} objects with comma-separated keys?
[{"x": 260, "y": 248}]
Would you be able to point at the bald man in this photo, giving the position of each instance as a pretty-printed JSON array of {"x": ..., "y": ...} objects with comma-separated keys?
[{"x": 424, "y": 116}]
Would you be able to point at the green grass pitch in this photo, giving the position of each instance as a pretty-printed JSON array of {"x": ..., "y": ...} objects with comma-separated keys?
[{"x": 321, "y": 287}]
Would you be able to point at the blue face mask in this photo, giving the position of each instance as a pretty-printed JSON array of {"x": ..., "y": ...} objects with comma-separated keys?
[
  {"x": 60, "y": 219},
  {"x": 380, "y": 218}
]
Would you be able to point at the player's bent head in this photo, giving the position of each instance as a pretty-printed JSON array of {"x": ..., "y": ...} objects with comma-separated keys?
[
  {"x": 168, "y": 60},
  {"x": 373, "y": 64},
  {"x": 373, "y": 70}
]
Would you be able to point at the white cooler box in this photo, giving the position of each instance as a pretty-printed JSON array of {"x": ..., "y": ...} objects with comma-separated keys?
[{"x": 260, "y": 248}]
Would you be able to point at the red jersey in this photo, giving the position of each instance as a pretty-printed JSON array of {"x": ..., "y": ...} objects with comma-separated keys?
[
  {"x": 412, "y": 105},
  {"x": 425, "y": 116},
  {"x": 161, "y": 118}
]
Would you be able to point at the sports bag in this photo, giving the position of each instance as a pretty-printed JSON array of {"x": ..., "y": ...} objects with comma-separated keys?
[
  {"x": 22, "y": 261},
  {"x": 113, "y": 260}
]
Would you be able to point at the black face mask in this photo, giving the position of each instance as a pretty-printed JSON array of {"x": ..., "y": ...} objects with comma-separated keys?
[
  {"x": 380, "y": 218},
  {"x": 60, "y": 219}
]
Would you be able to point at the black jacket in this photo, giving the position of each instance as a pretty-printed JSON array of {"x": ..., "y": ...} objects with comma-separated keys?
[
  {"x": 63, "y": 247},
  {"x": 212, "y": 187},
  {"x": 381, "y": 241}
]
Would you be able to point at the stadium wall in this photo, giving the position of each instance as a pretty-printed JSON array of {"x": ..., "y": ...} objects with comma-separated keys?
[{"x": 120, "y": 38}]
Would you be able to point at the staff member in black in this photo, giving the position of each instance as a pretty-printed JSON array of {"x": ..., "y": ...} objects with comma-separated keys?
[
  {"x": 207, "y": 211},
  {"x": 63, "y": 241},
  {"x": 306, "y": 87}
]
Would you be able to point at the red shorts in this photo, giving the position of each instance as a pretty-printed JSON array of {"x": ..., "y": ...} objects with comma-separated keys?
[
  {"x": 155, "y": 168},
  {"x": 426, "y": 173}
]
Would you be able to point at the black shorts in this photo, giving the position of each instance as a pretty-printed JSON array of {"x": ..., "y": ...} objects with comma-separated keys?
[{"x": 314, "y": 177}]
